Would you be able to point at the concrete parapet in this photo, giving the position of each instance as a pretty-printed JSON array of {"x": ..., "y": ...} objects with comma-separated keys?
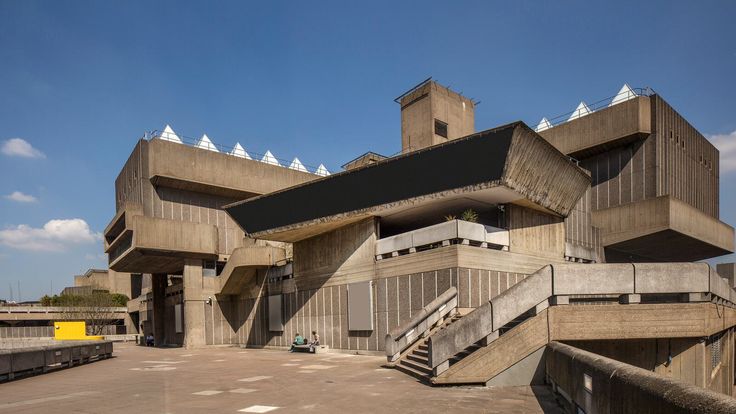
[
  {"x": 672, "y": 277},
  {"x": 719, "y": 286},
  {"x": 521, "y": 297},
  {"x": 598, "y": 384},
  {"x": 470, "y": 329},
  {"x": 438, "y": 233},
  {"x": 592, "y": 279},
  {"x": 728, "y": 271}
]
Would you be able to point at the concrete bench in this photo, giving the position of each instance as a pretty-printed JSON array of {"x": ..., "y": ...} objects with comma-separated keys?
[{"x": 319, "y": 349}]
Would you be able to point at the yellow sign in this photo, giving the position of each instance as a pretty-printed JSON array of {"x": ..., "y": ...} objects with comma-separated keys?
[{"x": 72, "y": 331}]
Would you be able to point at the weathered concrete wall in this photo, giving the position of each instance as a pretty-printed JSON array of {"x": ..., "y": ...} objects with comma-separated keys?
[
  {"x": 244, "y": 320},
  {"x": 688, "y": 163},
  {"x": 535, "y": 233},
  {"x": 349, "y": 250},
  {"x": 582, "y": 240},
  {"x": 623, "y": 174}
]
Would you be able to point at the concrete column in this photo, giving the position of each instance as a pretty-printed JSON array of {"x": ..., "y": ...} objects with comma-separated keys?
[
  {"x": 159, "y": 282},
  {"x": 194, "y": 303}
]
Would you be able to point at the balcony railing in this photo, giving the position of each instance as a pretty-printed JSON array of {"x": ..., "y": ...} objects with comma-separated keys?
[{"x": 440, "y": 235}]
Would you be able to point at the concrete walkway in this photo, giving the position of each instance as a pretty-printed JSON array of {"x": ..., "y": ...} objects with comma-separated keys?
[{"x": 231, "y": 380}]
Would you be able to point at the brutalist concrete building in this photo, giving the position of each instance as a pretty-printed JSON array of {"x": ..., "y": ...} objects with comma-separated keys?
[{"x": 465, "y": 259}]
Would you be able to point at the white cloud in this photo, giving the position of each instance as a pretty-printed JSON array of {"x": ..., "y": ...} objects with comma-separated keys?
[
  {"x": 21, "y": 198},
  {"x": 56, "y": 235},
  {"x": 726, "y": 144},
  {"x": 18, "y": 147}
]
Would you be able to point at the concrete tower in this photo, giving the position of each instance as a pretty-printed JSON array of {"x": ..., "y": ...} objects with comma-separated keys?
[{"x": 432, "y": 114}]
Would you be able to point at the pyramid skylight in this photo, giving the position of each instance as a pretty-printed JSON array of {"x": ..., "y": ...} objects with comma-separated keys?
[
  {"x": 297, "y": 165},
  {"x": 321, "y": 170},
  {"x": 239, "y": 151},
  {"x": 580, "y": 111},
  {"x": 623, "y": 95},
  {"x": 206, "y": 143},
  {"x": 268, "y": 158},
  {"x": 543, "y": 124},
  {"x": 170, "y": 135}
]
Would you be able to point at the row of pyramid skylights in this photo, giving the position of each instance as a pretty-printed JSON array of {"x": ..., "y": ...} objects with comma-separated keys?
[
  {"x": 238, "y": 151},
  {"x": 623, "y": 95}
]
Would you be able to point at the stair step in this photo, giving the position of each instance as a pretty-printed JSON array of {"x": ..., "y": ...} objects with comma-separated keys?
[
  {"x": 420, "y": 375},
  {"x": 416, "y": 366},
  {"x": 422, "y": 353},
  {"x": 423, "y": 347},
  {"x": 418, "y": 358}
]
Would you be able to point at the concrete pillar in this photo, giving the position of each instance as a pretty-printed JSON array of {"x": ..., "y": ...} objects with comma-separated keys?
[
  {"x": 159, "y": 282},
  {"x": 194, "y": 303}
]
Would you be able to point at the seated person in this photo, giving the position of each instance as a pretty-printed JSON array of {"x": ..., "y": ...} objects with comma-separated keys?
[
  {"x": 298, "y": 340},
  {"x": 149, "y": 340},
  {"x": 315, "y": 341}
]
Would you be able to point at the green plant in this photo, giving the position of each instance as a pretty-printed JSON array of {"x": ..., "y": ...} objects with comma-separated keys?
[
  {"x": 119, "y": 299},
  {"x": 469, "y": 215},
  {"x": 450, "y": 217}
]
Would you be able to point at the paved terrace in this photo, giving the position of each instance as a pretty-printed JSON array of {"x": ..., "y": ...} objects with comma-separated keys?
[{"x": 231, "y": 380}]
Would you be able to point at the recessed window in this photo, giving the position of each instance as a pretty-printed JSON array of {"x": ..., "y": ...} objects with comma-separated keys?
[{"x": 440, "y": 128}]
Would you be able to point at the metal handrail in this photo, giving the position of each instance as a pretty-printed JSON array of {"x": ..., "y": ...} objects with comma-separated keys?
[{"x": 601, "y": 104}]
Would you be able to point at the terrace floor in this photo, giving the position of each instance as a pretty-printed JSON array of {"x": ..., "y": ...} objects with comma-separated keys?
[{"x": 224, "y": 380}]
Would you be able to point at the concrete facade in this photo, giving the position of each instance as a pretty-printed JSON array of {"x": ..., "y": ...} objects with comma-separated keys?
[
  {"x": 216, "y": 237},
  {"x": 655, "y": 178}
]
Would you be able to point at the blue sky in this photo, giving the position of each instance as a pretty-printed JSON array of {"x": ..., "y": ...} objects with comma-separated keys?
[{"x": 81, "y": 81}]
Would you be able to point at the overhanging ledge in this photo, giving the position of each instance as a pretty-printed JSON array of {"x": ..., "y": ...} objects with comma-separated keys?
[{"x": 509, "y": 164}]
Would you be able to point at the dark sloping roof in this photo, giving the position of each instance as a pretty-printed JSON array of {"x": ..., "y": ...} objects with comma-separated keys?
[{"x": 479, "y": 159}]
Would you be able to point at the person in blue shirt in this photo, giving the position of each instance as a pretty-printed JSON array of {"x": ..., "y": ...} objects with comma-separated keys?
[{"x": 298, "y": 340}]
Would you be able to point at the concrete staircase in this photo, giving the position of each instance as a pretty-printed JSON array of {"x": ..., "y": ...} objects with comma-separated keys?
[
  {"x": 415, "y": 360},
  {"x": 502, "y": 341},
  {"x": 511, "y": 347}
]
